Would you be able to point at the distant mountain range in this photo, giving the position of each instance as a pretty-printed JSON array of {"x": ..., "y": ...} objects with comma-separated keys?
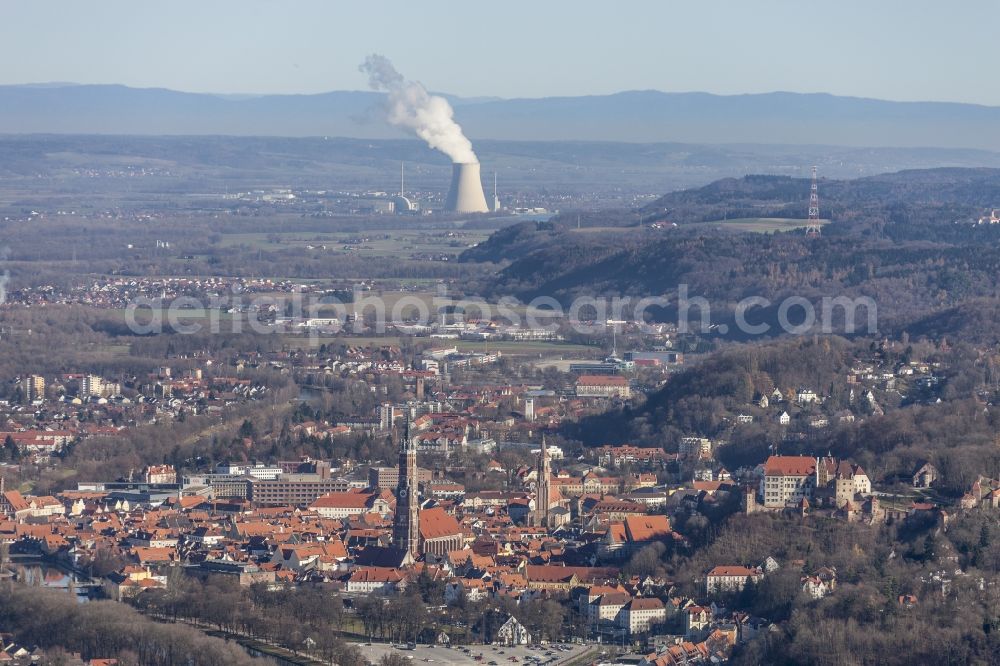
[{"x": 635, "y": 116}]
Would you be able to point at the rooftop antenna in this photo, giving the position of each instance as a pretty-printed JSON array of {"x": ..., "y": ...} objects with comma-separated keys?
[
  {"x": 402, "y": 189},
  {"x": 812, "y": 226}
]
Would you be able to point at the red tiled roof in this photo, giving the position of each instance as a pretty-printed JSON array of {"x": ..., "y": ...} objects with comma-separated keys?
[
  {"x": 602, "y": 380},
  {"x": 435, "y": 523},
  {"x": 376, "y": 575},
  {"x": 347, "y": 500},
  {"x": 17, "y": 503},
  {"x": 647, "y": 528},
  {"x": 650, "y": 603},
  {"x": 733, "y": 571},
  {"x": 790, "y": 466}
]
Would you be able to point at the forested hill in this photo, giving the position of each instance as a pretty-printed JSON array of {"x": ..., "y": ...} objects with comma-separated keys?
[
  {"x": 906, "y": 240},
  {"x": 912, "y": 204},
  {"x": 783, "y": 196},
  {"x": 957, "y": 433},
  {"x": 697, "y": 399}
]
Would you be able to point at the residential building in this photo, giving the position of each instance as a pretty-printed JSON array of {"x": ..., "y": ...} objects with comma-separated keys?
[
  {"x": 696, "y": 620},
  {"x": 157, "y": 474},
  {"x": 253, "y": 470},
  {"x": 806, "y": 396},
  {"x": 616, "y": 456},
  {"x": 294, "y": 489},
  {"x": 34, "y": 388},
  {"x": 12, "y": 504},
  {"x": 93, "y": 386},
  {"x": 815, "y": 587},
  {"x": 695, "y": 447},
  {"x": 346, "y": 504},
  {"x": 925, "y": 475},
  {"x": 603, "y": 386},
  {"x": 387, "y": 478},
  {"x": 605, "y": 609},
  {"x": 640, "y": 614},
  {"x": 374, "y": 580},
  {"x": 731, "y": 578}
]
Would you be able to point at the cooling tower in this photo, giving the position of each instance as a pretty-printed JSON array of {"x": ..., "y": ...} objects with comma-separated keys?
[{"x": 466, "y": 193}]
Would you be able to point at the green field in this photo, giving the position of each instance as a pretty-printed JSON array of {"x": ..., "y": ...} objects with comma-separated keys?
[
  {"x": 142, "y": 315},
  {"x": 759, "y": 225},
  {"x": 597, "y": 230},
  {"x": 109, "y": 349},
  {"x": 387, "y": 243}
]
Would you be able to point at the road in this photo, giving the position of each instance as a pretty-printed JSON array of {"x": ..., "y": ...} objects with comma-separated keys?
[{"x": 441, "y": 655}]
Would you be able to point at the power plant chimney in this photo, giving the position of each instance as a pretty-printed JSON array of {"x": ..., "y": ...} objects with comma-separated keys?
[{"x": 466, "y": 193}]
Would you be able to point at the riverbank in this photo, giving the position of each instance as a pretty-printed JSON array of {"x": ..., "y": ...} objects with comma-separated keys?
[{"x": 253, "y": 646}]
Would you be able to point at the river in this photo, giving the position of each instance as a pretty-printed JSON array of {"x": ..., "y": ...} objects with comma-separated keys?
[{"x": 43, "y": 574}]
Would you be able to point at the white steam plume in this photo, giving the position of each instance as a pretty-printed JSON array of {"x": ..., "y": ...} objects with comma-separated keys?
[{"x": 409, "y": 105}]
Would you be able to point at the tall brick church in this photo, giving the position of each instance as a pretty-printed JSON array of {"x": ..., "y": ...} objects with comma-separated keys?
[
  {"x": 543, "y": 498},
  {"x": 406, "y": 523}
]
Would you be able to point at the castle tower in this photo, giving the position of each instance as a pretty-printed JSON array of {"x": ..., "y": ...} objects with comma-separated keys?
[
  {"x": 406, "y": 523},
  {"x": 749, "y": 499},
  {"x": 542, "y": 497}
]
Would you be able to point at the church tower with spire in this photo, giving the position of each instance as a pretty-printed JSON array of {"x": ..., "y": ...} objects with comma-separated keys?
[
  {"x": 542, "y": 497},
  {"x": 406, "y": 523}
]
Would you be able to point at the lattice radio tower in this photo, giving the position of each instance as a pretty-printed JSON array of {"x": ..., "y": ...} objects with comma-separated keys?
[{"x": 812, "y": 226}]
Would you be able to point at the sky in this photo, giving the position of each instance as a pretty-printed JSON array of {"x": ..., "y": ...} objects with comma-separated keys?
[{"x": 887, "y": 49}]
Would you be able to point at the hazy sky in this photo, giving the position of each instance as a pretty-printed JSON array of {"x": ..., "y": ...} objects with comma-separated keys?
[{"x": 891, "y": 49}]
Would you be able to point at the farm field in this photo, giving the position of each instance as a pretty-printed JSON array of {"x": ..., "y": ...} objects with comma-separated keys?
[
  {"x": 381, "y": 243},
  {"x": 760, "y": 225}
]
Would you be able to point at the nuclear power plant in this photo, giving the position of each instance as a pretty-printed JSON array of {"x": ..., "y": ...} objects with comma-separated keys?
[
  {"x": 408, "y": 105},
  {"x": 466, "y": 193}
]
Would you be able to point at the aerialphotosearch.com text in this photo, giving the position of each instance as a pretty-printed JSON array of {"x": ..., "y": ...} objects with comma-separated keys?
[{"x": 370, "y": 313}]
